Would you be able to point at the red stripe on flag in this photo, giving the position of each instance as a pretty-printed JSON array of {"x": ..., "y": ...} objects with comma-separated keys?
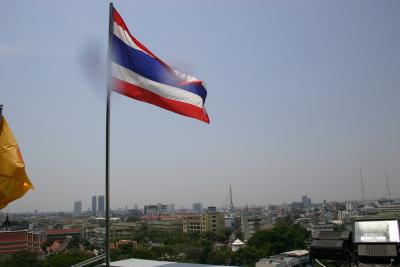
[
  {"x": 141, "y": 94},
  {"x": 118, "y": 19}
]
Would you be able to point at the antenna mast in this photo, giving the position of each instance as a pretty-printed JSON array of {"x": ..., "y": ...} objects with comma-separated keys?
[
  {"x": 362, "y": 191},
  {"x": 231, "y": 208},
  {"x": 388, "y": 187}
]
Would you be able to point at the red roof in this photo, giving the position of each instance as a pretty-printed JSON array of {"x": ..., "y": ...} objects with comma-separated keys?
[
  {"x": 63, "y": 231},
  {"x": 13, "y": 236}
]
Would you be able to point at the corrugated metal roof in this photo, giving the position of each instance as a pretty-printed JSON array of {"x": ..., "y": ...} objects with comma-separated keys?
[
  {"x": 377, "y": 250},
  {"x": 333, "y": 244}
]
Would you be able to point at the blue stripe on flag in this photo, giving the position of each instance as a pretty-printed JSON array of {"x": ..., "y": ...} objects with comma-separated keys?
[{"x": 149, "y": 67}]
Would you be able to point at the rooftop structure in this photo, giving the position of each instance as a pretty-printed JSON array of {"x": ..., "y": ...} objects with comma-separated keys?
[
  {"x": 286, "y": 259},
  {"x": 237, "y": 244},
  {"x": 377, "y": 240},
  {"x": 331, "y": 245}
]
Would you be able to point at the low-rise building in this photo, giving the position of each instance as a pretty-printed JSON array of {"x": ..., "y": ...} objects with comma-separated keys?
[
  {"x": 295, "y": 258},
  {"x": 14, "y": 241},
  {"x": 60, "y": 234},
  {"x": 211, "y": 221},
  {"x": 251, "y": 223}
]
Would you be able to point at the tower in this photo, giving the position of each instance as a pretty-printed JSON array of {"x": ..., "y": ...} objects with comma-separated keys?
[
  {"x": 231, "y": 207},
  {"x": 100, "y": 205},
  {"x": 388, "y": 187},
  {"x": 94, "y": 204},
  {"x": 362, "y": 191},
  {"x": 78, "y": 207}
]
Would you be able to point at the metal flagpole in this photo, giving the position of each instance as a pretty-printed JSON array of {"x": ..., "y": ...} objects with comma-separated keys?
[
  {"x": 107, "y": 239},
  {"x": 1, "y": 115}
]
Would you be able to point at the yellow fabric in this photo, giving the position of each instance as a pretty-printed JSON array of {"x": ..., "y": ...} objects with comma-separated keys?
[{"x": 13, "y": 180}]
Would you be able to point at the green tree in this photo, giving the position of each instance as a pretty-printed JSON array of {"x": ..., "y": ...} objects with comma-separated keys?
[
  {"x": 246, "y": 256},
  {"x": 133, "y": 219},
  {"x": 66, "y": 259},
  {"x": 222, "y": 256},
  {"x": 284, "y": 236},
  {"x": 21, "y": 259}
]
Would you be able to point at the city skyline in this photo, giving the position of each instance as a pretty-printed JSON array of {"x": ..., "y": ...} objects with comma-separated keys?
[
  {"x": 189, "y": 206},
  {"x": 299, "y": 101}
]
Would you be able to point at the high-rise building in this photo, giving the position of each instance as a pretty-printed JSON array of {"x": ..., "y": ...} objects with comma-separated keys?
[
  {"x": 306, "y": 201},
  {"x": 100, "y": 204},
  {"x": 94, "y": 204},
  {"x": 78, "y": 207},
  {"x": 158, "y": 209},
  {"x": 197, "y": 207},
  {"x": 171, "y": 208}
]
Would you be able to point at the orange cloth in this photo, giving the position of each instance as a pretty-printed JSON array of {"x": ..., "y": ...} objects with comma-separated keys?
[{"x": 14, "y": 182}]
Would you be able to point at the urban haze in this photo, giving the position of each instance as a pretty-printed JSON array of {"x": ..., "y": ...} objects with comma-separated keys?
[{"x": 300, "y": 96}]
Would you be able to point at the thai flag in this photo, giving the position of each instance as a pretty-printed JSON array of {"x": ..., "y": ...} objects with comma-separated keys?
[{"x": 138, "y": 73}]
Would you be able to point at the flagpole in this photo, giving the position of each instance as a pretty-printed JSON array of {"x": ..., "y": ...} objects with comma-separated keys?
[
  {"x": 107, "y": 239},
  {"x": 1, "y": 114}
]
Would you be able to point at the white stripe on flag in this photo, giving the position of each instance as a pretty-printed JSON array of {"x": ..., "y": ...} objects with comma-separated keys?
[
  {"x": 160, "y": 89},
  {"x": 124, "y": 37}
]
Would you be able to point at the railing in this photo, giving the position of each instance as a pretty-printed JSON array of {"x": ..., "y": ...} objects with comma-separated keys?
[{"x": 90, "y": 261}]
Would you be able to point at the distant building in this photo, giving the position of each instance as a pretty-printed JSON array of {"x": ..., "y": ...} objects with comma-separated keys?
[
  {"x": 100, "y": 204},
  {"x": 60, "y": 234},
  {"x": 123, "y": 230},
  {"x": 327, "y": 227},
  {"x": 194, "y": 224},
  {"x": 229, "y": 221},
  {"x": 171, "y": 208},
  {"x": 94, "y": 204},
  {"x": 211, "y": 221},
  {"x": 135, "y": 213},
  {"x": 306, "y": 201},
  {"x": 78, "y": 207},
  {"x": 155, "y": 210},
  {"x": 251, "y": 223},
  {"x": 14, "y": 241},
  {"x": 197, "y": 207},
  {"x": 215, "y": 220}
]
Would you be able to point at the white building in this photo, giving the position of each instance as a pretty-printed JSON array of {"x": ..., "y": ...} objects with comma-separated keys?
[{"x": 236, "y": 245}]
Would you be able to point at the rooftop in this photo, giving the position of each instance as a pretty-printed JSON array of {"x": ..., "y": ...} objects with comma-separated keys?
[
  {"x": 62, "y": 231},
  {"x": 150, "y": 263}
]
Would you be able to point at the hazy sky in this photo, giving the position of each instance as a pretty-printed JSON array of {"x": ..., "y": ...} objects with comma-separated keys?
[{"x": 301, "y": 95}]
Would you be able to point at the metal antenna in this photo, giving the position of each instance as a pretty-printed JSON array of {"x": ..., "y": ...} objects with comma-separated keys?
[
  {"x": 231, "y": 208},
  {"x": 388, "y": 187},
  {"x": 362, "y": 191}
]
